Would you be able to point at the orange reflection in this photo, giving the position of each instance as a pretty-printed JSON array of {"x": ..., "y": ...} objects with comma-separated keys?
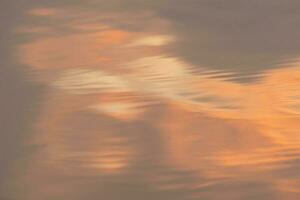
[
  {"x": 43, "y": 12},
  {"x": 214, "y": 126}
]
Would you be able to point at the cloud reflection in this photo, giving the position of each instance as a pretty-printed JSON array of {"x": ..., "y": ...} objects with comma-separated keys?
[{"x": 112, "y": 86}]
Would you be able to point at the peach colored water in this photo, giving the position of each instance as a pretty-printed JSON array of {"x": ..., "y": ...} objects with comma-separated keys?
[{"x": 150, "y": 100}]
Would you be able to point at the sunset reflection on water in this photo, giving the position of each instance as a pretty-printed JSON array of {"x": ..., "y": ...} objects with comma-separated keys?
[{"x": 122, "y": 113}]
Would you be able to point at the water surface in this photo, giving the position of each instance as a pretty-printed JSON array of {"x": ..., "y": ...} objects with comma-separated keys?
[{"x": 128, "y": 99}]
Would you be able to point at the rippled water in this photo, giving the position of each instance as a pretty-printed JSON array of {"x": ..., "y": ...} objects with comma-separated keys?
[{"x": 128, "y": 99}]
